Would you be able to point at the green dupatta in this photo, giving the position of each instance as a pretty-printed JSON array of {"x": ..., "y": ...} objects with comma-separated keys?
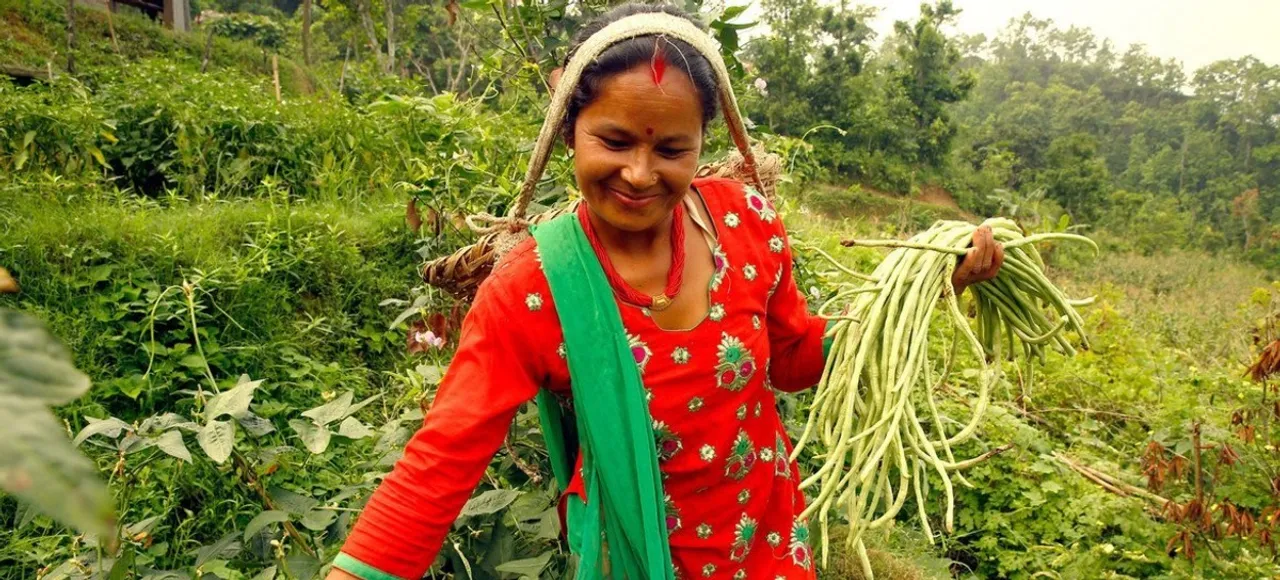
[{"x": 624, "y": 491}]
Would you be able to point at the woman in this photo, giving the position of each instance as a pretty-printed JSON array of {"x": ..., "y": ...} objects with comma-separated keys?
[{"x": 700, "y": 274}]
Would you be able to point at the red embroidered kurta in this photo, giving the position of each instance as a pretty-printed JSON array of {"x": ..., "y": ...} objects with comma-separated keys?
[{"x": 732, "y": 494}]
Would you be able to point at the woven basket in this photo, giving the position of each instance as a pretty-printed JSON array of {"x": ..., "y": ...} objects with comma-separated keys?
[{"x": 461, "y": 272}]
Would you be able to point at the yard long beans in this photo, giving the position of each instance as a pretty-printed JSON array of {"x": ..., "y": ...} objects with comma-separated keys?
[{"x": 876, "y": 451}]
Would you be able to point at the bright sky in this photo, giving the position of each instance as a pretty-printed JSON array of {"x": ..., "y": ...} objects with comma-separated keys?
[{"x": 1197, "y": 32}]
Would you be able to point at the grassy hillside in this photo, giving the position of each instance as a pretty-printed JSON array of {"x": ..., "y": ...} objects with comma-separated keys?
[{"x": 33, "y": 36}]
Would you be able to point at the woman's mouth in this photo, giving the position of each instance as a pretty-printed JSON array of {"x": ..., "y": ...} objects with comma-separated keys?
[{"x": 633, "y": 202}]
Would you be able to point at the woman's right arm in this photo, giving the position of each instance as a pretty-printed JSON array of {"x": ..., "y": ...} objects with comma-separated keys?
[{"x": 408, "y": 517}]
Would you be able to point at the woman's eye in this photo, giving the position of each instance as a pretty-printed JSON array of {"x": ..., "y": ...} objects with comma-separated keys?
[
  {"x": 613, "y": 143},
  {"x": 671, "y": 153}
]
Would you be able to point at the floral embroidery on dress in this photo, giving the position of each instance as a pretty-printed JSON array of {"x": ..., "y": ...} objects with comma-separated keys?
[
  {"x": 776, "y": 244},
  {"x": 667, "y": 443},
  {"x": 716, "y": 313},
  {"x": 533, "y": 301},
  {"x": 707, "y": 453},
  {"x": 695, "y": 404},
  {"x": 741, "y": 414},
  {"x": 703, "y": 531},
  {"x": 782, "y": 463},
  {"x": 562, "y": 350},
  {"x": 743, "y": 535},
  {"x": 801, "y": 554},
  {"x": 755, "y": 322},
  {"x": 777, "y": 279},
  {"x": 741, "y": 458},
  {"x": 774, "y": 539},
  {"x": 673, "y": 515},
  {"x": 740, "y": 575},
  {"x": 766, "y": 454},
  {"x": 680, "y": 355},
  {"x": 736, "y": 364},
  {"x": 756, "y": 412},
  {"x": 744, "y": 496},
  {"x": 731, "y": 219},
  {"x": 708, "y": 570},
  {"x": 639, "y": 350},
  {"x": 759, "y": 204},
  {"x": 721, "y": 262},
  {"x": 749, "y": 272}
]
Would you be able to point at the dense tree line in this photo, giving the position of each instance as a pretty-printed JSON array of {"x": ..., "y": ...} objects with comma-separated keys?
[
  {"x": 1116, "y": 137},
  {"x": 1039, "y": 114}
]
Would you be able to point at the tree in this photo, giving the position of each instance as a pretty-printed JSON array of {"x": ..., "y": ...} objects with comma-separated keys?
[
  {"x": 1076, "y": 177},
  {"x": 929, "y": 77},
  {"x": 306, "y": 32}
]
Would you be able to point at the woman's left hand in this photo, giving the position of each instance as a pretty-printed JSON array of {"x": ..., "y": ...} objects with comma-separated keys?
[{"x": 981, "y": 263}]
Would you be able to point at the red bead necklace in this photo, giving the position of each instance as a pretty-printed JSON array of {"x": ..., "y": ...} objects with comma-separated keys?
[{"x": 675, "y": 277}]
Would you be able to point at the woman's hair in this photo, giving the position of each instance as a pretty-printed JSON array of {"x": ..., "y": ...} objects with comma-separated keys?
[{"x": 629, "y": 53}]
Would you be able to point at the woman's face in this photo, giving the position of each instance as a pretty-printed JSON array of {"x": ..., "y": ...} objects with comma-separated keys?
[{"x": 636, "y": 147}]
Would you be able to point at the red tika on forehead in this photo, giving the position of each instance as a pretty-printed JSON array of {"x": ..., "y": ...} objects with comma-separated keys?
[{"x": 658, "y": 65}]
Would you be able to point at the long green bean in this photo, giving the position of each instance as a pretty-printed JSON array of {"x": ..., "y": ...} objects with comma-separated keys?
[{"x": 875, "y": 450}]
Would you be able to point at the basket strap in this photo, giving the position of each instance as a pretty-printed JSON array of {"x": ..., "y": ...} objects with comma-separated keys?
[{"x": 650, "y": 23}]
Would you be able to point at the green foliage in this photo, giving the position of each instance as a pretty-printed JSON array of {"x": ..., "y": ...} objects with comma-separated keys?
[
  {"x": 260, "y": 30},
  {"x": 928, "y": 78},
  {"x": 231, "y": 272},
  {"x": 38, "y": 465}
]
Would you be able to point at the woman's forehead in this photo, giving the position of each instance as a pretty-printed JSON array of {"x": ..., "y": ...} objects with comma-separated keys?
[{"x": 632, "y": 98}]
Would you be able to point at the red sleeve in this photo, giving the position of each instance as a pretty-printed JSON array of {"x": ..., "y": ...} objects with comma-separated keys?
[
  {"x": 795, "y": 336},
  {"x": 493, "y": 373}
]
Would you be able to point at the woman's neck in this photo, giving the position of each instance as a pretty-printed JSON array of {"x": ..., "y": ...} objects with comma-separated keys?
[{"x": 642, "y": 243}]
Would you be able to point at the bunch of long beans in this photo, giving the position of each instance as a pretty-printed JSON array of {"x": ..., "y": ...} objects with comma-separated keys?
[{"x": 876, "y": 449}]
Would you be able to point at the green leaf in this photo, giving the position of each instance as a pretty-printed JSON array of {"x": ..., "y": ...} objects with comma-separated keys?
[
  {"x": 268, "y": 573},
  {"x": 34, "y": 365},
  {"x": 27, "y": 139},
  {"x": 337, "y": 409},
  {"x": 302, "y": 566},
  {"x": 226, "y": 547},
  {"x": 39, "y": 464},
  {"x": 318, "y": 520},
  {"x": 217, "y": 439},
  {"x": 528, "y": 568},
  {"x": 732, "y": 12},
  {"x": 171, "y": 443},
  {"x": 20, "y": 159},
  {"x": 255, "y": 425},
  {"x": 314, "y": 437},
  {"x": 351, "y": 428},
  {"x": 331, "y": 411},
  {"x": 263, "y": 520},
  {"x": 234, "y": 401},
  {"x": 97, "y": 156},
  {"x": 110, "y": 427},
  {"x": 489, "y": 502},
  {"x": 294, "y": 503},
  {"x": 193, "y": 360},
  {"x": 120, "y": 570}
]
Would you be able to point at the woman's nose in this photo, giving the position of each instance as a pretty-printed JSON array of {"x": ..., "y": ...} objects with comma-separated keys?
[{"x": 639, "y": 173}]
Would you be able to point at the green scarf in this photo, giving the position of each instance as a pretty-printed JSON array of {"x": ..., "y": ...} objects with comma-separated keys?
[{"x": 613, "y": 427}]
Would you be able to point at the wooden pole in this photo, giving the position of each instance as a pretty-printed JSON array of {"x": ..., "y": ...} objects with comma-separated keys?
[
  {"x": 208, "y": 49},
  {"x": 111, "y": 25},
  {"x": 275, "y": 75},
  {"x": 306, "y": 32},
  {"x": 342, "y": 78},
  {"x": 71, "y": 36}
]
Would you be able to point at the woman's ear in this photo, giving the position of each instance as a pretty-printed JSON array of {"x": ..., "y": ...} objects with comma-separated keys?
[{"x": 555, "y": 77}]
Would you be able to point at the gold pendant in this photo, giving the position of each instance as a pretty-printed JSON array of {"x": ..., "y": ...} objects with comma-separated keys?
[{"x": 660, "y": 302}]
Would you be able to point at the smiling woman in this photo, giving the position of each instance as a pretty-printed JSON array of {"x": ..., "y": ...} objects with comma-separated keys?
[{"x": 655, "y": 324}]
